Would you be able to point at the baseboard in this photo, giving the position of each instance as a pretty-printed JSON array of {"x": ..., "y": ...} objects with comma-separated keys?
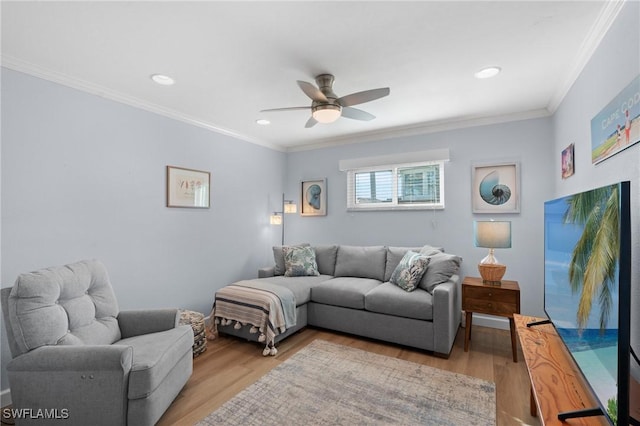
[
  {"x": 491, "y": 321},
  {"x": 5, "y": 397},
  {"x": 487, "y": 321}
]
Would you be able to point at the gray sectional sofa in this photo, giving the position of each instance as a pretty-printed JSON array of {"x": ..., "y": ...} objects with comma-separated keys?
[{"x": 353, "y": 294}]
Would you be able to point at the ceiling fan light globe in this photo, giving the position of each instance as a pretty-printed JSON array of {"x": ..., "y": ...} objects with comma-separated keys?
[{"x": 326, "y": 113}]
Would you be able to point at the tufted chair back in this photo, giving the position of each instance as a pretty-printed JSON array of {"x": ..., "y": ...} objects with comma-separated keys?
[{"x": 64, "y": 305}]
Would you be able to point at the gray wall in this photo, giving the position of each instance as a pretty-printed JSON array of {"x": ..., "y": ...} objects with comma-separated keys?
[
  {"x": 84, "y": 177},
  {"x": 613, "y": 66},
  {"x": 528, "y": 142}
]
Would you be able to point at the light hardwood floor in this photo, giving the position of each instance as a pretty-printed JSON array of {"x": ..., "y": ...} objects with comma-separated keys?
[{"x": 230, "y": 364}]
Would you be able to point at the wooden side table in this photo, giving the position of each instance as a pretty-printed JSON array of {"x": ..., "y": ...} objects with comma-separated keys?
[{"x": 501, "y": 300}]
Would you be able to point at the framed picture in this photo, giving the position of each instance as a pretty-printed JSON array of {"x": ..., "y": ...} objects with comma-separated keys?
[
  {"x": 187, "y": 188},
  {"x": 495, "y": 188},
  {"x": 617, "y": 126},
  {"x": 567, "y": 162},
  {"x": 313, "y": 197}
]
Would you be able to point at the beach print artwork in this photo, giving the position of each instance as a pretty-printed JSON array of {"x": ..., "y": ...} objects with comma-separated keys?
[{"x": 617, "y": 126}]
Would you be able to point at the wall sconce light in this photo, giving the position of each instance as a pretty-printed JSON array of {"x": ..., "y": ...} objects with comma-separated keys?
[
  {"x": 492, "y": 235},
  {"x": 277, "y": 218}
]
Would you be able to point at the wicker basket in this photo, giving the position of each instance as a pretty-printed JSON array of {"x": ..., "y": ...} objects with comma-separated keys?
[
  {"x": 196, "y": 320},
  {"x": 491, "y": 273}
]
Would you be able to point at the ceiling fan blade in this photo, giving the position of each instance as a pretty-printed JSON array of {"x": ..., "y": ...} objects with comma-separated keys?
[
  {"x": 357, "y": 114},
  {"x": 312, "y": 91},
  {"x": 362, "y": 97},
  {"x": 311, "y": 122},
  {"x": 284, "y": 109}
]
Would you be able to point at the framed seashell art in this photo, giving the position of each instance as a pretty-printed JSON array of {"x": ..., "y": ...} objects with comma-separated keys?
[
  {"x": 495, "y": 187},
  {"x": 313, "y": 197}
]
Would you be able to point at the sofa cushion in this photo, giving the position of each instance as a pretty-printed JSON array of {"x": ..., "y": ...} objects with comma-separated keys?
[
  {"x": 390, "y": 299},
  {"x": 154, "y": 356},
  {"x": 409, "y": 271},
  {"x": 347, "y": 292},
  {"x": 278, "y": 257},
  {"x": 430, "y": 250},
  {"x": 395, "y": 255},
  {"x": 326, "y": 259},
  {"x": 64, "y": 305},
  {"x": 359, "y": 261},
  {"x": 299, "y": 286},
  {"x": 300, "y": 262},
  {"x": 441, "y": 267}
]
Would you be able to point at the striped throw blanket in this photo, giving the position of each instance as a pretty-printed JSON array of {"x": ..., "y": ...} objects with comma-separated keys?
[{"x": 266, "y": 308}]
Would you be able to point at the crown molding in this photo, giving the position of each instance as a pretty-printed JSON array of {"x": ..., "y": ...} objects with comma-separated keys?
[
  {"x": 104, "y": 92},
  {"x": 421, "y": 129},
  {"x": 598, "y": 30},
  {"x": 401, "y": 131}
]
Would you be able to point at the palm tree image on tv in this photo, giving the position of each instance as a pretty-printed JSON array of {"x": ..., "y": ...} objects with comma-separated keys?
[
  {"x": 592, "y": 270},
  {"x": 591, "y": 274}
]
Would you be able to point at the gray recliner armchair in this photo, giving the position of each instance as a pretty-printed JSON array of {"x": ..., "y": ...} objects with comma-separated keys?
[{"x": 82, "y": 360}]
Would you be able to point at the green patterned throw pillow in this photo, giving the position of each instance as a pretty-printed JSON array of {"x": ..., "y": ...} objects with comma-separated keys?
[
  {"x": 300, "y": 262},
  {"x": 409, "y": 271}
]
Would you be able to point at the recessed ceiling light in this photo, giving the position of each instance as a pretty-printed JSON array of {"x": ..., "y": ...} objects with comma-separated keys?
[
  {"x": 164, "y": 80},
  {"x": 488, "y": 72},
  {"x": 263, "y": 121}
]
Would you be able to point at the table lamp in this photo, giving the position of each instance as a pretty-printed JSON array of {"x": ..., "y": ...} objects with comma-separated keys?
[{"x": 492, "y": 235}]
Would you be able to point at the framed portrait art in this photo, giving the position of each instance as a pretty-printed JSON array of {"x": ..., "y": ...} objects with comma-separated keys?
[
  {"x": 313, "y": 197},
  {"x": 495, "y": 188},
  {"x": 187, "y": 188}
]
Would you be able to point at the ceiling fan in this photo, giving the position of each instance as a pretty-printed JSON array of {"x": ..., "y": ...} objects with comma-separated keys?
[{"x": 327, "y": 107}]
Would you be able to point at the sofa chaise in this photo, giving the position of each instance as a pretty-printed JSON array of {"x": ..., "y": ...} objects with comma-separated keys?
[{"x": 351, "y": 289}]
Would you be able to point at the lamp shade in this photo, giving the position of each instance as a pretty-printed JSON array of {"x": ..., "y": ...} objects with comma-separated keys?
[
  {"x": 492, "y": 234},
  {"x": 290, "y": 207},
  {"x": 275, "y": 219}
]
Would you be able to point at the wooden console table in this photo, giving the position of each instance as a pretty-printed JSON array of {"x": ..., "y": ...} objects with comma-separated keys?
[{"x": 556, "y": 383}]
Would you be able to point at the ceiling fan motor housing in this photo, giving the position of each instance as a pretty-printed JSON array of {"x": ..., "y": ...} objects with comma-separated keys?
[
  {"x": 329, "y": 111},
  {"x": 325, "y": 84}
]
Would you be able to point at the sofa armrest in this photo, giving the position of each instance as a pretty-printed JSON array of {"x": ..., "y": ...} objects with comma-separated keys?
[
  {"x": 446, "y": 315},
  {"x": 146, "y": 321},
  {"x": 74, "y": 359},
  {"x": 85, "y": 384},
  {"x": 267, "y": 272}
]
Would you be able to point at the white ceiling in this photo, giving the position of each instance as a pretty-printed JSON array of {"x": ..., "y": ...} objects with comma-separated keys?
[{"x": 232, "y": 59}]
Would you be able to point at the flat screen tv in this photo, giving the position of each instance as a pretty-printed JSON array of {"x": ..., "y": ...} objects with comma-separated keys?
[{"x": 587, "y": 290}]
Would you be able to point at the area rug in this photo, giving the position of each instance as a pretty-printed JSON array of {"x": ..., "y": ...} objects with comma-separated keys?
[{"x": 329, "y": 384}]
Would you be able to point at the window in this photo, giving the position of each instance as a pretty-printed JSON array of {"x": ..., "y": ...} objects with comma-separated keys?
[{"x": 396, "y": 187}]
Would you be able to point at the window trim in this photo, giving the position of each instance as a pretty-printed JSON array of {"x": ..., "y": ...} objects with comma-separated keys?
[{"x": 394, "y": 205}]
